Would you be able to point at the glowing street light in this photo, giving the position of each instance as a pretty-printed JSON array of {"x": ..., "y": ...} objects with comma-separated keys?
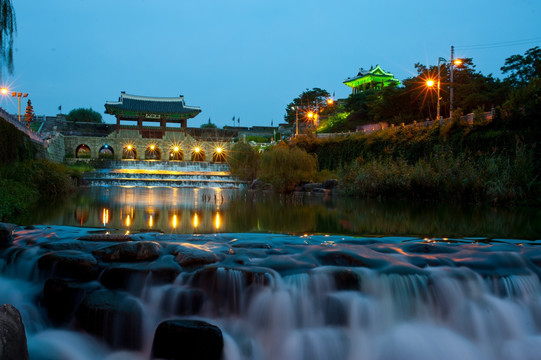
[
  {"x": 4, "y": 90},
  {"x": 18, "y": 95},
  {"x": 430, "y": 83}
]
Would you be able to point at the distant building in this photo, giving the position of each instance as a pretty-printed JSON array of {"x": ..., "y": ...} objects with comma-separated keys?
[
  {"x": 375, "y": 78},
  {"x": 134, "y": 110}
]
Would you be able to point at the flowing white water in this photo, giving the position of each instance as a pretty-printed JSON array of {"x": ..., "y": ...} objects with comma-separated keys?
[{"x": 270, "y": 306}]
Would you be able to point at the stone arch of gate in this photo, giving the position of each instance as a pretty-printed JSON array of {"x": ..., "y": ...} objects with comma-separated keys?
[{"x": 116, "y": 145}]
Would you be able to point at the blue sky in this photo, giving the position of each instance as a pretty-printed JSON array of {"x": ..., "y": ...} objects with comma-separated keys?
[{"x": 246, "y": 58}]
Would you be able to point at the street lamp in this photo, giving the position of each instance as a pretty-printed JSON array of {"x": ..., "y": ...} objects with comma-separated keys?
[{"x": 17, "y": 95}]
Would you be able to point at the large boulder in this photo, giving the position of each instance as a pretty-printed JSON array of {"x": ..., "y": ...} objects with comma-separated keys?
[
  {"x": 68, "y": 264},
  {"x": 6, "y": 234},
  {"x": 129, "y": 252},
  {"x": 187, "y": 339},
  {"x": 61, "y": 298},
  {"x": 114, "y": 317},
  {"x": 12, "y": 335}
]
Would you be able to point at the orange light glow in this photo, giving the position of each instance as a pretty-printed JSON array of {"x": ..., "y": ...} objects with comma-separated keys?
[
  {"x": 152, "y": 147},
  {"x": 195, "y": 220},
  {"x": 330, "y": 101},
  {"x": 105, "y": 216},
  {"x": 457, "y": 62},
  {"x": 150, "y": 222},
  {"x": 128, "y": 221},
  {"x": 129, "y": 147},
  {"x": 219, "y": 150},
  {"x": 4, "y": 90},
  {"x": 310, "y": 115},
  {"x": 217, "y": 221},
  {"x": 197, "y": 150},
  {"x": 430, "y": 83},
  {"x": 174, "y": 221},
  {"x": 176, "y": 149}
]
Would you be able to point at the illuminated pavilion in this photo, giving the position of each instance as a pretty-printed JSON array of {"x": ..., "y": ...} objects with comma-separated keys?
[
  {"x": 375, "y": 78},
  {"x": 137, "y": 112}
]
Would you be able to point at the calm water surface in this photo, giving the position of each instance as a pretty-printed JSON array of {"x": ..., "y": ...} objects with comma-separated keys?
[{"x": 210, "y": 210}]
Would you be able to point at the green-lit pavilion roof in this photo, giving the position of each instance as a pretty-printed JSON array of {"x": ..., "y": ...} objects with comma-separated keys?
[
  {"x": 173, "y": 107},
  {"x": 374, "y": 75}
]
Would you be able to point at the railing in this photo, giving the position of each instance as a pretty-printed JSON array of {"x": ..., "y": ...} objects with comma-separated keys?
[{"x": 35, "y": 137}]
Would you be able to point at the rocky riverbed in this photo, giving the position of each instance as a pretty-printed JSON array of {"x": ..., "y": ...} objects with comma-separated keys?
[{"x": 88, "y": 294}]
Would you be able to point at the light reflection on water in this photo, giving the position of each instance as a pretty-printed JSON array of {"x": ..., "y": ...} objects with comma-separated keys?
[{"x": 210, "y": 210}]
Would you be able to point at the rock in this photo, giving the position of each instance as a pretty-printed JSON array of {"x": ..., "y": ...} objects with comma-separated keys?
[
  {"x": 61, "y": 298},
  {"x": 114, "y": 317},
  {"x": 321, "y": 191},
  {"x": 12, "y": 335},
  {"x": 346, "y": 280},
  {"x": 69, "y": 264},
  {"x": 132, "y": 277},
  {"x": 311, "y": 186},
  {"x": 6, "y": 234},
  {"x": 259, "y": 185},
  {"x": 347, "y": 258},
  {"x": 106, "y": 237},
  {"x": 423, "y": 248},
  {"x": 330, "y": 184},
  {"x": 195, "y": 258},
  {"x": 129, "y": 252},
  {"x": 183, "y": 301},
  {"x": 187, "y": 339}
]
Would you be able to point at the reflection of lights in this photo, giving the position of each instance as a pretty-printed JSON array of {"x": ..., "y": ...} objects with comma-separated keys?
[
  {"x": 174, "y": 221},
  {"x": 195, "y": 220},
  {"x": 150, "y": 221},
  {"x": 128, "y": 221},
  {"x": 105, "y": 216},
  {"x": 217, "y": 221}
]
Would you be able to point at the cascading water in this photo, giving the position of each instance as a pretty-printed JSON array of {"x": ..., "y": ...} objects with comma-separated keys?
[
  {"x": 277, "y": 296},
  {"x": 164, "y": 174}
]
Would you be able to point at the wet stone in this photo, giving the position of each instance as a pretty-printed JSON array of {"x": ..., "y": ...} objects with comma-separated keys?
[
  {"x": 187, "y": 339},
  {"x": 61, "y": 298},
  {"x": 347, "y": 258},
  {"x": 428, "y": 249},
  {"x": 12, "y": 335},
  {"x": 68, "y": 264},
  {"x": 112, "y": 316},
  {"x": 6, "y": 234},
  {"x": 195, "y": 258},
  {"x": 129, "y": 252},
  {"x": 106, "y": 237}
]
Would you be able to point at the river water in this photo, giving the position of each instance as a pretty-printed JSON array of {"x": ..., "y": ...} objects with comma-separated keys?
[
  {"x": 296, "y": 277},
  {"x": 210, "y": 210}
]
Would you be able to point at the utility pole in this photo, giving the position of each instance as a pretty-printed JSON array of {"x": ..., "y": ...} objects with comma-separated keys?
[{"x": 451, "y": 85}]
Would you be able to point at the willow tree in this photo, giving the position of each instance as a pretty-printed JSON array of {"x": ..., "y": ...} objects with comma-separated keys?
[{"x": 8, "y": 27}]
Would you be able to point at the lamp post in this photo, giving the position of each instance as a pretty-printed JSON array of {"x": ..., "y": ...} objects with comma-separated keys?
[{"x": 18, "y": 95}]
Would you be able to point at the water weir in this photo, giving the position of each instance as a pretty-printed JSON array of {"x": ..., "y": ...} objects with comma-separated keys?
[
  {"x": 164, "y": 174},
  {"x": 85, "y": 294}
]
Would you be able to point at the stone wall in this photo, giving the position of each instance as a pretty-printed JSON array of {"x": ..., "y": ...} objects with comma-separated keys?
[
  {"x": 117, "y": 142},
  {"x": 56, "y": 149}
]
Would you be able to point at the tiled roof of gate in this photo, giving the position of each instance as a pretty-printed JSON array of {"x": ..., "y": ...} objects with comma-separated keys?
[{"x": 147, "y": 104}]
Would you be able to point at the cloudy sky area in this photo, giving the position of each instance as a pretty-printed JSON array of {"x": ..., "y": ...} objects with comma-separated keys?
[{"x": 246, "y": 58}]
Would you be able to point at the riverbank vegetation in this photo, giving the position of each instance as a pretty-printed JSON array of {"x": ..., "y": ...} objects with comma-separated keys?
[{"x": 483, "y": 158}]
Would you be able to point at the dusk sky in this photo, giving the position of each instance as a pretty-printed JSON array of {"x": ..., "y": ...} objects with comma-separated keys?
[{"x": 246, "y": 58}]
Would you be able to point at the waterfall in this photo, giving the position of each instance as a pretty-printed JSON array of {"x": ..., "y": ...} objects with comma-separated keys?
[{"x": 365, "y": 300}]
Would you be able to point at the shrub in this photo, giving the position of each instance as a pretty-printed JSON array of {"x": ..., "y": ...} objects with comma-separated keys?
[
  {"x": 285, "y": 167},
  {"x": 244, "y": 161}
]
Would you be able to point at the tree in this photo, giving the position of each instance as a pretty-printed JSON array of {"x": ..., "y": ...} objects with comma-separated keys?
[
  {"x": 522, "y": 69},
  {"x": 244, "y": 161},
  {"x": 29, "y": 114},
  {"x": 285, "y": 167},
  {"x": 309, "y": 100},
  {"x": 209, "y": 125},
  {"x": 8, "y": 27},
  {"x": 84, "y": 115}
]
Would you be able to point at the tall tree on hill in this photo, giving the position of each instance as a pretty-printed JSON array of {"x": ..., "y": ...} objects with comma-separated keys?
[
  {"x": 522, "y": 69},
  {"x": 84, "y": 115},
  {"x": 8, "y": 27},
  {"x": 309, "y": 100},
  {"x": 29, "y": 114}
]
